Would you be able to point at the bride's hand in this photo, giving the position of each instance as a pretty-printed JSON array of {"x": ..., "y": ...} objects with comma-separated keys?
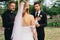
[
  {"x": 38, "y": 18},
  {"x": 22, "y": 3}
]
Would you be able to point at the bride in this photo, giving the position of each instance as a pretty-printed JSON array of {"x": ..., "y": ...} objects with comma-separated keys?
[{"x": 24, "y": 27}]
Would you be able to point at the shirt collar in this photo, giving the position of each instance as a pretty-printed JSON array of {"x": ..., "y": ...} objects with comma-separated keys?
[{"x": 39, "y": 11}]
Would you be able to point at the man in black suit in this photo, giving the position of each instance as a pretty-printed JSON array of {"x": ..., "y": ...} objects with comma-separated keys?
[
  {"x": 42, "y": 20},
  {"x": 8, "y": 20}
]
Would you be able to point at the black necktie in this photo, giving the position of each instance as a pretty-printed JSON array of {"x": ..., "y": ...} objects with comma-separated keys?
[{"x": 37, "y": 14}]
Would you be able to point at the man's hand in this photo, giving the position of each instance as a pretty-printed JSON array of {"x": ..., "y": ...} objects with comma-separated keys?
[{"x": 37, "y": 25}]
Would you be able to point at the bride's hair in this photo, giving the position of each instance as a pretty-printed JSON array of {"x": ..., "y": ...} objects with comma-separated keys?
[{"x": 26, "y": 8}]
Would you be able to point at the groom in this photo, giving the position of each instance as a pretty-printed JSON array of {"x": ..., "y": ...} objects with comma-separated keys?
[{"x": 42, "y": 20}]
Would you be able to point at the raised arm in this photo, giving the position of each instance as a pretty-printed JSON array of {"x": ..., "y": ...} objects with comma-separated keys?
[{"x": 33, "y": 28}]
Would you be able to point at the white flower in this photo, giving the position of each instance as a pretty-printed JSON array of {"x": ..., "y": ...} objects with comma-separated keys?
[{"x": 40, "y": 15}]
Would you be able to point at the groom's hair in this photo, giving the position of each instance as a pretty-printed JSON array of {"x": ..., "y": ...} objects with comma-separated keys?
[
  {"x": 11, "y": 2},
  {"x": 37, "y": 3}
]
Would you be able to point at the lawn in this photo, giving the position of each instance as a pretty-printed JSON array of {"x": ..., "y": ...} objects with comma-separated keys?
[
  {"x": 50, "y": 33},
  {"x": 1, "y": 34}
]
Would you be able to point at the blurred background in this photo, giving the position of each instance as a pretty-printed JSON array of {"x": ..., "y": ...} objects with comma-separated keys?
[{"x": 51, "y": 7}]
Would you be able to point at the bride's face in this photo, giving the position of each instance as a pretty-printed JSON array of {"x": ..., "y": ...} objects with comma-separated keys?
[{"x": 26, "y": 7}]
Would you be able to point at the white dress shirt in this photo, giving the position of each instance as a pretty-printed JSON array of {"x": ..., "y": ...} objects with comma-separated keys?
[{"x": 38, "y": 12}]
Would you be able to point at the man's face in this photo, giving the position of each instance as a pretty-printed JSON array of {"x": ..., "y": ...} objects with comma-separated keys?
[
  {"x": 12, "y": 6},
  {"x": 37, "y": 7}
]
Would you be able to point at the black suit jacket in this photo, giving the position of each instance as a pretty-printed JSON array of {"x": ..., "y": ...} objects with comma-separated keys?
[
  {"x": 8, "y": 19},
  {"x": 43, "y": 16}
]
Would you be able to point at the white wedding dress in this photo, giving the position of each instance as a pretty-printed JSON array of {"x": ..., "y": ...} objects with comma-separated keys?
[
  {"x": 27, "y": 33},
  {"x": 20, "y": 32}
]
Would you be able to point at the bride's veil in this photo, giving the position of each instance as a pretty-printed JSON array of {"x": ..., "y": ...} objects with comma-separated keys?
[{"x": 17, "y": 29}]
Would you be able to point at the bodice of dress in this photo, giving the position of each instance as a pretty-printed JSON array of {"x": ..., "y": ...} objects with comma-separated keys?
[{"x": 26, "y": 29}]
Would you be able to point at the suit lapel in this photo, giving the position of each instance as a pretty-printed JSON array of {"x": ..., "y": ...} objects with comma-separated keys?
[
  {"x": 40, "y": 15},
  {"x": 34, "y": 15}
]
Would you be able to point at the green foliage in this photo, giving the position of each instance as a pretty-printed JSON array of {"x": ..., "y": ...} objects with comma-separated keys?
[
  {"x": 16, "y": 7},
  {"x": 54, "y": 24},
  {"x": 51, "y": 11},
  {"x": 31, "y": 8},
  {"x": 40, "y": 0}
]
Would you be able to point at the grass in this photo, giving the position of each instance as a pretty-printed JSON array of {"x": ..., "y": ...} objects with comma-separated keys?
[
  {"x": 1, "y": 34},
  {"x": 55, "y": 22},
  {"x": 52, "y": 33},
  {"x": 0, "y": 21}
]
